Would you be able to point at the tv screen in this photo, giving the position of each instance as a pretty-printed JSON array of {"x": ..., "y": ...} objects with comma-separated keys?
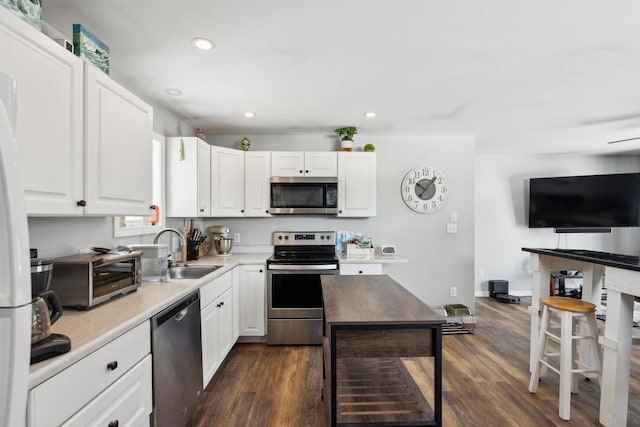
[{"x": 585, "y": 201}]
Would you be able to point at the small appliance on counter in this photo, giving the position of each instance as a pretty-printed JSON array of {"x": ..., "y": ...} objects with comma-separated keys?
[
  {"x": 222, "y": 243},
  {"x": 46, "y": 309},
  {"x": 85, "y": 280},
  {"x": 155, "y": 261}
]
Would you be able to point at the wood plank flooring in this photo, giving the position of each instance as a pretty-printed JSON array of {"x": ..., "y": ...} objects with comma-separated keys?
[{"x": 485, "y": 380}]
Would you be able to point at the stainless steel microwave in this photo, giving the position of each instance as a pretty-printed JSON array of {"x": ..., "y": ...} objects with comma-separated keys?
[{"x": 304, "y": 195}]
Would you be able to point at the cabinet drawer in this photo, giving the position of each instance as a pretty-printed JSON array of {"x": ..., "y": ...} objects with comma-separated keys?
[
  {"x": 352, "y": 269},
  {"x": 127, "y": 402},
  {"x": 214, "y": 289},
  {"x": 58, "y": 398}
]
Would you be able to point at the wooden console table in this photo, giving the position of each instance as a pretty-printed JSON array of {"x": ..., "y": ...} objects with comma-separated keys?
[
  {"x": 622, "y": 275},
  {"x": 370, "y": 323}
]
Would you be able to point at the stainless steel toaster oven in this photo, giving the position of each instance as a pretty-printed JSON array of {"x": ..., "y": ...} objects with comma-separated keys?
[{"x": 85, "y": 280}]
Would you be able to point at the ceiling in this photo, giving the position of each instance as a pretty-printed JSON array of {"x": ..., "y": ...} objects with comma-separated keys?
[{"x": 544, "y": 76}]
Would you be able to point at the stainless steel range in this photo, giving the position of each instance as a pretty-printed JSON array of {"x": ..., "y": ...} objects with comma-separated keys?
[{"x": 294, "y": 293}]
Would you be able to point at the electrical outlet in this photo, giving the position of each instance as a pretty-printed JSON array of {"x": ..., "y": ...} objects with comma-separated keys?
[
  {"x": 452, "y": 228},
  {"x": 481, "y": 272},
  {"x": 453, "y": 217},
  {"x": 236, "y": 237},
  {"x": 453, "y": 291}
]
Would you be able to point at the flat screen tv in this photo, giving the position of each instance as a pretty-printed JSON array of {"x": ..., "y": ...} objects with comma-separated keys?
[{"x": 589, "y": 201}]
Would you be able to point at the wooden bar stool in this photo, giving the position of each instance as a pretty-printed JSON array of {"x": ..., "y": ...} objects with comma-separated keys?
[{"x": 568, "y": 309}]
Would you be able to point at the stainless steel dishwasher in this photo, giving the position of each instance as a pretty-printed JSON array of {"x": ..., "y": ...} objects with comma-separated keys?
[{"x": 177, "y": 362}]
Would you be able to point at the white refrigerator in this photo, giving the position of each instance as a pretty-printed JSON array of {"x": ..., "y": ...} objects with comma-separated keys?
[{"x": 15, "y": 269}]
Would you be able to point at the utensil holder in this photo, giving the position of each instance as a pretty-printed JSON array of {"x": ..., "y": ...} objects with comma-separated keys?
[{"x": 193, "y": 250}]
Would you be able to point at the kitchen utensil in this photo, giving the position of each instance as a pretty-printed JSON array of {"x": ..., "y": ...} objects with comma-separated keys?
[
  {"x": 45, "y": 311},
  {"x": 223, "y": 245},
  {"x": 100, "y": 250}
]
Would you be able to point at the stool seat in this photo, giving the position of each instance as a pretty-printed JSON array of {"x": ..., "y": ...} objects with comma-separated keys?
[{"x": 569, "y": 304}]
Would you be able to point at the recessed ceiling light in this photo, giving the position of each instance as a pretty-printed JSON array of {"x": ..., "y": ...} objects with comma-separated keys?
[
  {"x": 173, "y": 92},
  {"x": 370, "y": 114},
  {"x": 202, "y": 43},
  {"x": 249, "y": 114}
]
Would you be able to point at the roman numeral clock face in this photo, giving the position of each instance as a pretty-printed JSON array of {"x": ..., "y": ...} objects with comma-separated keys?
[{"x": 424, "y": 189}]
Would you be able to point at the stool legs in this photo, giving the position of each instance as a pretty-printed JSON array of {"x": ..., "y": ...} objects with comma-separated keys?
[
  {"x": 542, "y": 347},
  {"x": 568, "y": 351}
]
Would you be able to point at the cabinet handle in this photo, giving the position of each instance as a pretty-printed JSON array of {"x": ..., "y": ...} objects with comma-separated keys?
[
  {"x": 359, "y": 271},
  {"x": 241, "y": 210},
  {"x": 202, "y": 210},
  {"x": 260, "y": 270},
  {"x": 307, "y": 171},
  {"x": 114, "y": 423},
  {"x": 300, "y": 170},
  {"x": 82, "y": 203},
  {"x": 340, "y": 211},
  {"x": 219, "y": 305},
  {"x": 152, "y": 207},
  {"x": 266, "y": 211},
  {"x": 112, "y": 366},
  {"x": 222, "y": 303}
]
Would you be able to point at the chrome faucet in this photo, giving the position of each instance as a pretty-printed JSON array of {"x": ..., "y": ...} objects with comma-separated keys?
[{"x": 183, "y": 242}]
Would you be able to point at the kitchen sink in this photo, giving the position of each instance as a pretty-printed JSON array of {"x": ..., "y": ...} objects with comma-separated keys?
[{"x": 191, "y": 271}]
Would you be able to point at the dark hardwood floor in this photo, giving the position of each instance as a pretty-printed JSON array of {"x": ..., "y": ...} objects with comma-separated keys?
[{"x": 485, "y": 380}]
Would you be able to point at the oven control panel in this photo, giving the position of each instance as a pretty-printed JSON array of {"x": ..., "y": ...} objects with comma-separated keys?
[{"x": 304, "y": 238}]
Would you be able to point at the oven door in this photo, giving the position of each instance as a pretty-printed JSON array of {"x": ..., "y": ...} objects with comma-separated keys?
[{"x": 295, "y": 293}]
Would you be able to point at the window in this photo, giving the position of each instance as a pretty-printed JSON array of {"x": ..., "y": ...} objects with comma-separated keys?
[{"x": 138, "y": 225}]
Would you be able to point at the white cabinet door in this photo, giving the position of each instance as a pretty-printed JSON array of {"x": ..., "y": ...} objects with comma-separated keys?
[
  {"x": 49, "y": 116},
  {"x": 324, "y": 163},
  {"x": 287, "y": 163},
  {"x": 209, "y": 316},
  {"x": 118, "y": 143},
  {"x": 257, "y": 183},
  {"x": 188, "y": 177},
  {"x": 356, "y": 184},
  {"x": 235, "y": 286},
  {"x": 217, "y": 334},
  {"x": 252, "y": 300},
  {"x": 297, "y": 163},
  {"x": 227, "y": 182}
]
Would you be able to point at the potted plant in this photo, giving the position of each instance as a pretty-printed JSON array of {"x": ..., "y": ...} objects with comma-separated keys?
[{"x": 346, "y": 136}]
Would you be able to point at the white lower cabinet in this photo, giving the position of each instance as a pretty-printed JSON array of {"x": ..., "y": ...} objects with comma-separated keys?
[
  {"x": 94, "y": 387},
  {"x": 127, "y": 402},
  {"x": 216, "y": 316},
  {"x": 252, "y": 300},
  {"x": 355, "y": 269}
]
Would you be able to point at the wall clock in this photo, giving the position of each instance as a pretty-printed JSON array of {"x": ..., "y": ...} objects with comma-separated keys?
[{"x": 424, "y": 189}]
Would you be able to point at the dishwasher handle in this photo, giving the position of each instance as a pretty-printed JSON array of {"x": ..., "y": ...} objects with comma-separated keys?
[{"x": 177, "y": 311}]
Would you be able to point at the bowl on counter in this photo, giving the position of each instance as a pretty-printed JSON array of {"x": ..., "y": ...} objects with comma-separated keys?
[{"x": 223, "y": 245}]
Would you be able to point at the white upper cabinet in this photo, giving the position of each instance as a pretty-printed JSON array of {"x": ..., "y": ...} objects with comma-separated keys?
[
  {"x": 356, "y": 184},
  {"x": 49, "y": 116},
  {"x": 188, "y": 177},
  {"x": 85, "y": 141},
  {"x": 227, "y": 182},
  {"x": 257, "y": 183},
  {"x": 295, "y": 163},
  {"x": 118, "y": 141},
  {"x": 323, "y": 163}
]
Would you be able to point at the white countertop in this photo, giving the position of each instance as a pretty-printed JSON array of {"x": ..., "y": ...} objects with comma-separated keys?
[
  {"x": 376, "y": 258},
  {"x": 90, "y": 330}
]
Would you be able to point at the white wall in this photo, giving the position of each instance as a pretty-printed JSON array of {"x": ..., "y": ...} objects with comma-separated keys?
[
  {"x": 501, "y": 215},
  {"x": 437, "y": 260}
]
